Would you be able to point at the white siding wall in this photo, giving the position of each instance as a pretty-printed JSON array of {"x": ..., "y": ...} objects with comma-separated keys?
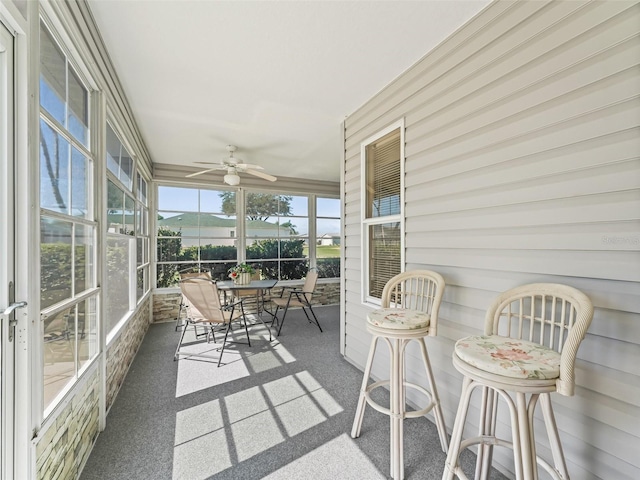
[{"x": 522, "y": 165}]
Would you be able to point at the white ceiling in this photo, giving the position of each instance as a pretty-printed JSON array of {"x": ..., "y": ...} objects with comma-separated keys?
[{"x": 275, "y": 78}]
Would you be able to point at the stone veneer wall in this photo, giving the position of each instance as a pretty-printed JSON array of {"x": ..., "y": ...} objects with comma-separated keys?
[
  {"x": 66, "y": 444},
  {"x": 122, "y": 351},
  {"x": 166, "y": 305}
]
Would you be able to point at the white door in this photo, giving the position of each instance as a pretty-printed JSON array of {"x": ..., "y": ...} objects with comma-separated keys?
[{"x": 8, "y": 303}]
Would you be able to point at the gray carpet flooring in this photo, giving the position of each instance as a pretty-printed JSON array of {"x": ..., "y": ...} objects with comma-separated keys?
[{"x": 276, "y": 410}]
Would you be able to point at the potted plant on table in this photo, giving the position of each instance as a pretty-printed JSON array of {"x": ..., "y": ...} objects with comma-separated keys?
[{"x": 241, "y": 273}]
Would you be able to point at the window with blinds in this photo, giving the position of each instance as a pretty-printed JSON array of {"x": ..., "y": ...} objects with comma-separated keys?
[
  {"x": 382, "y": 216},
  {"x": 383, "y": 176},
  {"x": 384, "y": 255}
]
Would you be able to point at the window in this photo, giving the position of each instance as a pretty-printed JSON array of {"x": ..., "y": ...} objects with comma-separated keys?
[
  {"x": 62, "y": 95},
  {"x": 195, "y": 232},
  {"x": 127, "y": 233},
  {"x": 383, "y": 218},
  {"x": 277, "y": 234},
  {"x": 68, "y": 293},
  {"x": 119, "y": 161},
  {"x": 142, "y": 239},
  {"x": 201, "y": 229},
  {"x": 328, "y": 237}
]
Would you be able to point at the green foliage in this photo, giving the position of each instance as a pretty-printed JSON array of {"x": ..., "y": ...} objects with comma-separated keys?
[
  {"x": 210, "y": 252},
  {"x": 263, "y": 253},
  {"x": 267, "y": 249},
  {"x": 260, "y": 206},
  {"x": 242, "y": 268},
  {"x": 292, "y": 228},
  {"x": 55, "y": 273},
  {"x": 276, "y": 249},
  {"x": 328, "y": 267},
  {"x": 169, "y": 250}
]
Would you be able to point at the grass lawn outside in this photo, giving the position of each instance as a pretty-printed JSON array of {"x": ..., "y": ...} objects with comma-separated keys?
[{"x": 324, "y": 251}]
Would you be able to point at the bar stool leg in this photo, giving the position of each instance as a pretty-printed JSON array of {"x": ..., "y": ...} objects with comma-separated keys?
[
  {"x": 437, "y": 409},
  {"x": 357, "y": 421},
  {"x": 488, "y": 414},
  {"x": 554, "y": 439},
  {"x": 396, "y": 387},
  {"x": 525, "y": 437},
  {"x": 451, "y": 463}
]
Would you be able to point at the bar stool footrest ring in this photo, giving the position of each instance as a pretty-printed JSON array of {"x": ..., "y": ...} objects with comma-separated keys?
[{"x": 387, "y": 411}]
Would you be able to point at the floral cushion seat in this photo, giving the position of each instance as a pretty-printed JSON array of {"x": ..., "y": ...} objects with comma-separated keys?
[
  {"x": 398, "y": 318},
  {"x": 509, "y": 357}
]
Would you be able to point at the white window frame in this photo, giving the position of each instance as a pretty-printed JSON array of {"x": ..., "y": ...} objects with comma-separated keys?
[
  {"x": 367, "y": 222},
  {"x": 311, "y": 226},
  {"x": 42, "y": 415},
  {"x": 240, "y": 231},
  {"x": 145, "y": 266},
  {"x": 111, "y": 122}
]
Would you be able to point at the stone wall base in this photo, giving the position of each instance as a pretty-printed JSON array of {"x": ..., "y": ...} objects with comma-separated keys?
[{"x": 167, "y": 305}]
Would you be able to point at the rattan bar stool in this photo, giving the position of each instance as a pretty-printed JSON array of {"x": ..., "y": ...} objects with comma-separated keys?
[
  {"x": 532, "y": 335},
  {"x": 410, "y": 304}
]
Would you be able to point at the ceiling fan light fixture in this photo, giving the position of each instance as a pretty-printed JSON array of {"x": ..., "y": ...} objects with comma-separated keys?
[{"x": 232, "y": 179}]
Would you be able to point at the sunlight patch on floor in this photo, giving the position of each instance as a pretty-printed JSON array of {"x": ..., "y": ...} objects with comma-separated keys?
[
  {"x": 300, "y": 402},
  {"x": 340, "y": 458},
  {"x": 247, "y": 423},
  {"x": 196, "y": 374},
  {"x": 199, "y": 433}
]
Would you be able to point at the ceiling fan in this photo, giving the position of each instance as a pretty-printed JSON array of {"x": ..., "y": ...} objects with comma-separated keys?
[{"x": 233, "y": 166}]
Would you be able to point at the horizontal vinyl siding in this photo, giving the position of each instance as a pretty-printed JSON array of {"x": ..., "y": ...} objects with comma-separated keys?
[{"x": 523, "y": 165}]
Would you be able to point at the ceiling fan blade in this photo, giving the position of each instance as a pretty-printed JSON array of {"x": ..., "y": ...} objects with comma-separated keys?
[
  {"x": 266, "y": 176},
  {"x": 201, "y": 172},
  {"x": 210, "y": 163},
  {"x": 246, "y": 166}
]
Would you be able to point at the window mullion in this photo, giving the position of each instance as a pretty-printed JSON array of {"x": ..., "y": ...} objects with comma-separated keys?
[{"x": 241, "y": 225}]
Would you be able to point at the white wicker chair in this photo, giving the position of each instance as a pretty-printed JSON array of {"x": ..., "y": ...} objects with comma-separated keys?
[
  {"x": 529, "y": 346},
  {"x": 410, "y": 304}
]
